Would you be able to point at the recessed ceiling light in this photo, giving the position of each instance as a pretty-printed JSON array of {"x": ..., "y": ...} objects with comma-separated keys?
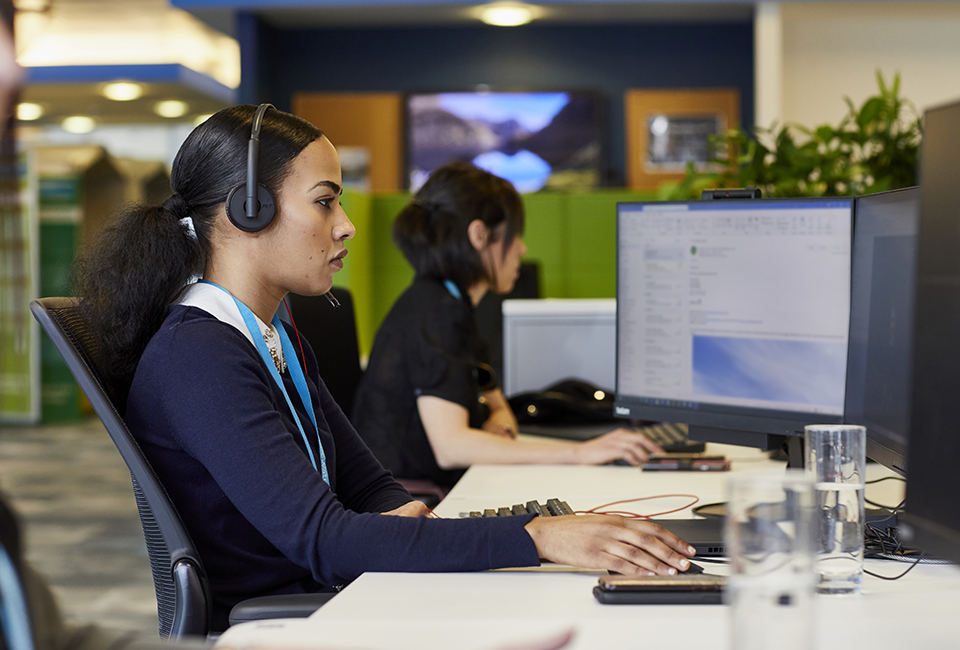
[
  {"x": 507, "y": 14},
  {"x": 122, "y": 91},
  {"x": 32, "y": 5},
  {"x": 78, "y": 124},
  {"x": 171, "y": 108},
  {"x": 200, "y": 119},
  {"x": 28, "y": 111}
]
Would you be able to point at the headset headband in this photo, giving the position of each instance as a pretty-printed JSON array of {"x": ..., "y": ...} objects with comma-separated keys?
[{"x": 253, "y": 158}]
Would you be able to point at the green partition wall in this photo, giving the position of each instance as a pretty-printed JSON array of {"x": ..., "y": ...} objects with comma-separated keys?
[{"x": 571, "y": 235}]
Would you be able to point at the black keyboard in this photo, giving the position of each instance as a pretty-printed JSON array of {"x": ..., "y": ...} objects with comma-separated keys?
[{"x": 553, "y": 508}]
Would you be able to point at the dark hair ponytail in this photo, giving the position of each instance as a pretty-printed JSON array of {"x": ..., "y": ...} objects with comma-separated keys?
[
  {"x": 140, "y": 263},
  {"x": 432, "y": 230}
]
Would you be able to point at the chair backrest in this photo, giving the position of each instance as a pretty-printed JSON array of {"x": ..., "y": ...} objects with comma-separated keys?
[
  {"x": 490, "y": 312},
  {"x": 183, "y": 601},
  {"x": 332, "y": 333}
]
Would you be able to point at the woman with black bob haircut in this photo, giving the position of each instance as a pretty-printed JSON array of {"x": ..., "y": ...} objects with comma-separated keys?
[
  {"x": 275, "y": 486},
  {"x": 428, "y": 405}
]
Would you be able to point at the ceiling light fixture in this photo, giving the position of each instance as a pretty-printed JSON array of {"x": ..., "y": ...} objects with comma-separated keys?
[
  {"x": 200, "y": 119},
  {"x": 171, "y": 108},
  {"x": 78, "y": 124},
  {"x": 36, "y": 6},
  {"x": 28, "y": 111},
  {"x": 507, "y": 14},
  {"x": 122, "y": 91}
]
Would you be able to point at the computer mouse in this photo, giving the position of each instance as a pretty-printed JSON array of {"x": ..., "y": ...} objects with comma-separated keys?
[{"x": 692, "y": 570}]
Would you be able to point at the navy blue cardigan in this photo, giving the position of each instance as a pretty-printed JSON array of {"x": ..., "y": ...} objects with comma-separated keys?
[{"x": 219, "y": 434}]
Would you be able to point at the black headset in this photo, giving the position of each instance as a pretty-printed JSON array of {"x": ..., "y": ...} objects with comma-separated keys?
[{"x": 251, "y": 206}]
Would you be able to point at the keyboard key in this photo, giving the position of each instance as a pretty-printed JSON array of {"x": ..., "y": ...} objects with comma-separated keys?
[{"x": 535, "y": 508}]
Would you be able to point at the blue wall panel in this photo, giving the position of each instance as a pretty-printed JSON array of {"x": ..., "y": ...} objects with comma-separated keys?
[{"x": 606, "y": 58}]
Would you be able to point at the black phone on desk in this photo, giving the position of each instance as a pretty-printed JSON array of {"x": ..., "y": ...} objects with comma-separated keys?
[{"x": 700, "y": 589}]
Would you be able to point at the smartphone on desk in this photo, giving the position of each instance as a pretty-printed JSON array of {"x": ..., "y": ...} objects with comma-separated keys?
[
  {"x": 686, "y": 463},
  {"x": 672, "y": 456},
  {"x": 700, "y": 589}
]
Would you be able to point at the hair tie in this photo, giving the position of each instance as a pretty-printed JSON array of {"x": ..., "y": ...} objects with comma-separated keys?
[
  {"x": 187, "y": 223},
  {"x": 176, "y": 205}
]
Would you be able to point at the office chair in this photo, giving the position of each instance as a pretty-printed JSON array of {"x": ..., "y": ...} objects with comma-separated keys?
[
  {"x": 490, "y": 311},
  {"x": 332, "y": 333},
  {"x": 183, "y": 596}
]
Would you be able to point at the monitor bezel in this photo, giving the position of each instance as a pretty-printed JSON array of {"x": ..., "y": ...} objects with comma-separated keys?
[
  {"x": 880, "y": 447},
  {"x": 764, "y": 428}
]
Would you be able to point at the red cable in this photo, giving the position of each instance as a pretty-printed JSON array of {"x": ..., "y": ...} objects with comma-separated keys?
[
  {"x": 597, "y": 509},
  {"x": 303, "y": 357}
]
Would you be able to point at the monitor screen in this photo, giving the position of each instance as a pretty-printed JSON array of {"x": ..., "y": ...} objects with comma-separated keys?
[
  {"x": 932, "y": 509},
  {"x": 733, "y": 316},
  {"x": 535, "y": 140},
  {"x": 546, "y": 341},
  {"x": 881, "y": 322}
]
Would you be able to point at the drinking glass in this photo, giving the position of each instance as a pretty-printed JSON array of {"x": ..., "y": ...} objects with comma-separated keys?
[
  {"x": 769, "y": 540},
  {"x": 836, "y": 460}
]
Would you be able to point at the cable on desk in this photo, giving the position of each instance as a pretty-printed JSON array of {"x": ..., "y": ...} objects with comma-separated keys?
[
  {"x": 893, "y": 509},
  {"x": 909, "y": 569},
  {"x": 882, "y": 541},
  {"x": 598, "y": 510},
  {"x": 886, "y": 478}
]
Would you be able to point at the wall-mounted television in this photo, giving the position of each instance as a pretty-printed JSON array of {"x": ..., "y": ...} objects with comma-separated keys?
[{"x": 537, "y": 140}]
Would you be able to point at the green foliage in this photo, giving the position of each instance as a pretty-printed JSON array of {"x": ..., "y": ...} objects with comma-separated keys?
[{"x": 872, "y": 149}]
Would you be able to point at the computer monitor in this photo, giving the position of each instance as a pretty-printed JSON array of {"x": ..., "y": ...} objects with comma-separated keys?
[
  {"x": 546, "y": 341},
  {"x": 881, "y": 322},
  {"x": 733, "y": 315},
  {"x": 932, "y": 507}
]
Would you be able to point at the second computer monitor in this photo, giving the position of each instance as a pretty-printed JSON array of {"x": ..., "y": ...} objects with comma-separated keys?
[
  {"x": 881, "y": 322},
  {"x": 733, "y": 316}
]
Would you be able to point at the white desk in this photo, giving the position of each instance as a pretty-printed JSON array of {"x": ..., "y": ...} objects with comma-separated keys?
[{"x": 499, "y": 609}]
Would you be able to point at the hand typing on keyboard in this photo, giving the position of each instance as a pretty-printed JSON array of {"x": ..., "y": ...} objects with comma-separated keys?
[
  {"x": 627, "y": 546},
  {"x": 624, "y": 444}
]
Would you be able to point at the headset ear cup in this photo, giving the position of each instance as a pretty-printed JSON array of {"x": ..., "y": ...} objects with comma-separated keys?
[{"x": 236, "y": 209}]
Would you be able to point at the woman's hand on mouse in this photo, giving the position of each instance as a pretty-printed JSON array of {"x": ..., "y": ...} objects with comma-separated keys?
[
  {"x": 632, "y": 447},
  {"x": 627, "y": 546}
]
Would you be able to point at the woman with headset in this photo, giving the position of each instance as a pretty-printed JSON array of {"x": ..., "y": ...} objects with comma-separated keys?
[
  {"x": 278, "y": 491},
  {"x": 428, "y": 405}
]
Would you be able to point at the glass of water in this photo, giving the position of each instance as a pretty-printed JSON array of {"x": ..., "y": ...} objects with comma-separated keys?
[
  {"x": 769, "y": 540},
  {"x": 836, "y": 460}
]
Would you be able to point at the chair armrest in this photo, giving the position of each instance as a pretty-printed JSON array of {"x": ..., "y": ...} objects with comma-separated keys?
[{"x": 284, "y": 606}]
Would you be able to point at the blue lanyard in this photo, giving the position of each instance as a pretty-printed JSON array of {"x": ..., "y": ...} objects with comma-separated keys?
[
  {"x": 296, "y": 373},
  {"x": 453, "y": 289},
  {"x": 14, "y": 619}
]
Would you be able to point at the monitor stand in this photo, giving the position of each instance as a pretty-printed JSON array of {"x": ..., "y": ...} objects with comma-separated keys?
[{"x": 764, "y": 441}]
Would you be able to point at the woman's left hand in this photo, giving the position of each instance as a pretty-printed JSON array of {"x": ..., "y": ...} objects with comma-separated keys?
[{"x": 411, "y": 509}]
